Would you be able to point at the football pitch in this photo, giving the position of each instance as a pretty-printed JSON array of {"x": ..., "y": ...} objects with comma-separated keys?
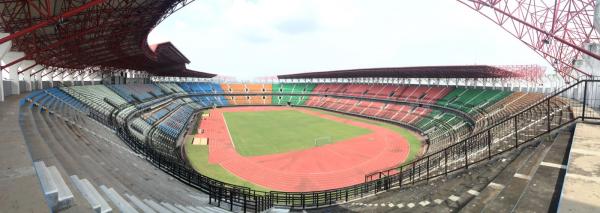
[
  {"x": 278, "y": 128},
  {"x": 280, "y": 131}
]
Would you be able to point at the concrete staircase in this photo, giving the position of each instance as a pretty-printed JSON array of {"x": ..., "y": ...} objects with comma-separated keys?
[
  {"x": 60, "y": 197},
  {"x": 527, "y": 179},
  {"x": 57, "y": 193},
  {"x": 70, "y": 143},
  {"x": 535, "y": 186}
]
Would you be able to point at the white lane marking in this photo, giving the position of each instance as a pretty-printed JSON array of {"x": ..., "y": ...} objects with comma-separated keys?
[
  {"x": 496, "y": 185},
  {"x": 454, "y": 198},
  {"x": 554, "y": 165},
  {"x": 522, "y": 176},
  {"x": 473, "y": 192}
]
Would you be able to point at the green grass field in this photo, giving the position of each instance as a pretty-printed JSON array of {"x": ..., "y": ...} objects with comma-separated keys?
[{"x": 271, "y": 132}]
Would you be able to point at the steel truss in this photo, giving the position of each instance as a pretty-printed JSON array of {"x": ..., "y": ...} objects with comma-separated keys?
[
  {"x": 77, "y": 34},
  {"x": 557, "y": 30}
]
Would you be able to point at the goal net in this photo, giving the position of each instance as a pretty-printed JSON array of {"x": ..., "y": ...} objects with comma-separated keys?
[{"x": 319, "y": 141}]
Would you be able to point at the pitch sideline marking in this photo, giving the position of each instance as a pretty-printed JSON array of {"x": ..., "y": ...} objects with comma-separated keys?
[{"x": 226, "y": 126}]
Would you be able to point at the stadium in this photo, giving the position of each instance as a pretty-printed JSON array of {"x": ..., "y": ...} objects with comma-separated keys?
[{"x": 94, "y": 119}]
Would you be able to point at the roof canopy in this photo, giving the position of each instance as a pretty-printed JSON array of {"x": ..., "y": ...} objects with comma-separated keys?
[
  {"x": 165, "y": 60},
  {"x": 475, "y": 71},
  {"x": 106, "y": 33}
]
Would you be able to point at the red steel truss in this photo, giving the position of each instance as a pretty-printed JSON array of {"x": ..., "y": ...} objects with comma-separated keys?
[
  {"x": 75, "y": 34},
  {"x": 533, "y": 73},
  {"x": 556, "y": 29}
]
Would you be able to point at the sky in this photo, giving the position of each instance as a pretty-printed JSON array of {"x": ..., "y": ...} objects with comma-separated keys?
[{"x": 259, "y": 38}]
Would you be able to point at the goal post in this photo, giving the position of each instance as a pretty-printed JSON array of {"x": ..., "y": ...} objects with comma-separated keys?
[{"x": 319, "y": 141}]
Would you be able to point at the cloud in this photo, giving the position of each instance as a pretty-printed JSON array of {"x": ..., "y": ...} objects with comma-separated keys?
[
  {"x": 254, "y": 37},
  {"x": 297, "y": 26},
  {"x": 247, "y": 39}
]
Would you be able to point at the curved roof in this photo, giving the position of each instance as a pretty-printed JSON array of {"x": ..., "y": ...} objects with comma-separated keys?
[
  {"x": 107, "y": 33},
  {"x": 474, "y": 71}
]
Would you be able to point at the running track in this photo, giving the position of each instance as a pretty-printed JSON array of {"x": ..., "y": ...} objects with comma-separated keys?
[{"x": 330, "y": 166}]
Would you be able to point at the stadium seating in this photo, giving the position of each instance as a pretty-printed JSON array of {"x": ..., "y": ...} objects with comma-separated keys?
[
  {"x": 291, "y": 88},
  {"x": 170, "y": 88},
  {"x": 137, "y": 92},
  {"x": 97, "y": 97},
  {"x": 442, "y": 128},
  {"x": 205, "y": 88}
]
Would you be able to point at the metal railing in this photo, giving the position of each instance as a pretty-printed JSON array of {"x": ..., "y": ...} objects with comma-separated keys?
[
  {"x": 547, "y": 115},
  {"x": 555, "y": 111}
]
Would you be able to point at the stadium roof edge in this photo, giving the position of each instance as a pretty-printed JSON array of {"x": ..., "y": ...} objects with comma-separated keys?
[{"x": 453, "y": 71}]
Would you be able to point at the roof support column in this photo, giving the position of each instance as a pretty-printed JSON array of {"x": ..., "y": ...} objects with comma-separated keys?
[
  {"x": 71, "y": 77},
  {"x": 80, "y": 77},
  {"x": 13, "y": 71},
  {"x": 61, "y": 76},
  {"x": 27, "y": 79},
  {"x": 1, "y": 86},
  {"x": 92, "y": 77},
  {"x": 27, "y": 65},
  {"x": 50, "y": 76},
  {"x": 38, "y": 77},
  {"x": 4, "y": 48}
]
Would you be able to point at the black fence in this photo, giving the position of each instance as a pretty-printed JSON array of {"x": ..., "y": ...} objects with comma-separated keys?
[{"x": 555, "y": 111}]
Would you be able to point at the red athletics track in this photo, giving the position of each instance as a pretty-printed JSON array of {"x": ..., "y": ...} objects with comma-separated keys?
[{"x": 330, "y": 166}]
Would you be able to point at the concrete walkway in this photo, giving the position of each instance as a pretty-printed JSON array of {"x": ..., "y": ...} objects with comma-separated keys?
[
  {"x": 581, "y": 189},
  {"x": 19, "y": 186}
]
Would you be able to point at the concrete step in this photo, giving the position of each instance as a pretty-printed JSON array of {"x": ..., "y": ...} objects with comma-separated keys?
[
  {"x": 194, "y": 209},
  {"x": 184, "y": 209},
  {"x": 544, "y": 189},
  {"x": 57, "y": 193},
  {"x": 94, "y": 198},
  {"x": 48, "y": 186},
  {"x": 65, "y": 196},
  {"x": 212, "y": 209},
  {"x": 491, "y": 191},
  {"x": 116, "y": 199},
  {"x": 156, "y": 206},
  {"x": 105, "y": 207},
  {"x": 171, "y": 207},
  {"x": 506, "y": 200},
  {"x": 139, "y": 204}
]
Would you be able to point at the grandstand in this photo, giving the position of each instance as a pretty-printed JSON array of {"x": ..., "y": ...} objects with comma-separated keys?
[{"x": 101, "y": 123}]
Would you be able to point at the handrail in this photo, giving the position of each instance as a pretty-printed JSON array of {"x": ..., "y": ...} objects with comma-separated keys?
[{"x": 487, "y": 129}]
